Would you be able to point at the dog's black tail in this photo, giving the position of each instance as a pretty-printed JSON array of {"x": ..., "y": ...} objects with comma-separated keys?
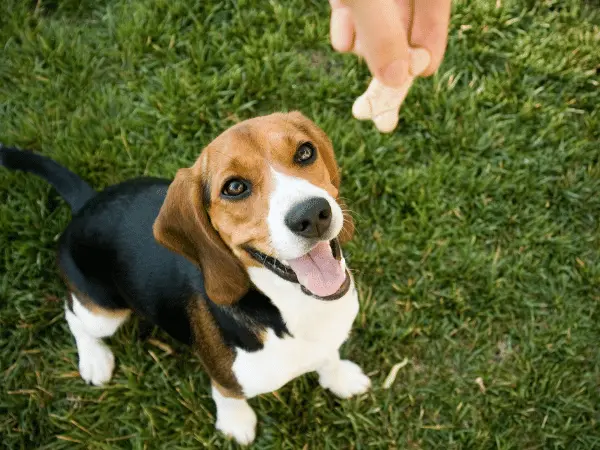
[{"x": 73, "y": 189}]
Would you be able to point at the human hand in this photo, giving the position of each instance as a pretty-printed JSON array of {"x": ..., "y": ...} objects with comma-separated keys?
[{"x": 381, "y": 31}]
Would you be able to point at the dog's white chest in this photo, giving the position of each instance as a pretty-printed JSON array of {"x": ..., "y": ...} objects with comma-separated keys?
[{"x": 317, "y": 327}]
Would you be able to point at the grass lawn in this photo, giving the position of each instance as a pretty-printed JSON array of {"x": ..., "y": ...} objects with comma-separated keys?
[{"x": 478, "y": 236}]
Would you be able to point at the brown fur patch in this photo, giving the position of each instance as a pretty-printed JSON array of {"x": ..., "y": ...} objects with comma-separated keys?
[
  {"x": 217, "y": 358},
  {"x": 89, "y": 304},
  {"x": 226, "y": 392},
  {"x": 110, "y": 313}
]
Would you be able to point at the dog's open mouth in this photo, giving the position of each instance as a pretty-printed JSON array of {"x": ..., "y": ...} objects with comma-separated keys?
[{"x": 320, "y": 272}]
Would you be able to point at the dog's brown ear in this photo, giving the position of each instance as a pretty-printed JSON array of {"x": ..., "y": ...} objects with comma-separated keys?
[{"x": 184, "y": 227}]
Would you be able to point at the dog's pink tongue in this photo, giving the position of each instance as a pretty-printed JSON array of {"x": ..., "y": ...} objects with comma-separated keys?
[{"x": 318, "y": 271}]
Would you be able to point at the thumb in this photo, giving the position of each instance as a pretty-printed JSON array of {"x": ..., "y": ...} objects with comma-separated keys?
[{"x": 381, "y": 28}]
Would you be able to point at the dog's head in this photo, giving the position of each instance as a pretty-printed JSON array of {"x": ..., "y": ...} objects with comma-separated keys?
[{"x": 265, "y": 192}]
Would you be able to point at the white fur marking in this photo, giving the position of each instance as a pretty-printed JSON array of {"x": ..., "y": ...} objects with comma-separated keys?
[
  {"x": 235, "y": 418},
  {"x": 344, "y": 378},
  {"x": 317, "y": 327},
  {"x": 96, "y": 361},
  {"x": 288, "y": 192}
]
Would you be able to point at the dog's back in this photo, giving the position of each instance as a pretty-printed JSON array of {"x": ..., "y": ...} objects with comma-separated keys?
[{"x": 108, "y": 253}]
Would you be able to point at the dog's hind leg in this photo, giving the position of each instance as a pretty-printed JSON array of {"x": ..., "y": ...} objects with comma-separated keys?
[{"x": 90, "y": 323}]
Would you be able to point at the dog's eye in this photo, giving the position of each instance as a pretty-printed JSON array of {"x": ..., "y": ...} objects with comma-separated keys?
[
  {"x": 305, "y": 154},
  {"x": 236, "y": 188}
]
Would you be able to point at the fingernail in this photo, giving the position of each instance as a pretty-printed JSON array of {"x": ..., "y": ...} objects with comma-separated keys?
[{"x": 395, "y": 74}]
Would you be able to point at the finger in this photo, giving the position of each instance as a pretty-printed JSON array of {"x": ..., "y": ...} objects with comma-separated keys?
[
  {"x": 430, "y": 30},
  {"x": 341, "y": 27},
  {"x": 406, "y": 13},
  {"x": 380, "y": 26}
]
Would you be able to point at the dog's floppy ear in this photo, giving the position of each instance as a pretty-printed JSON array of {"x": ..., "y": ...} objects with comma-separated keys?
[{"x": 184, "y": 227}]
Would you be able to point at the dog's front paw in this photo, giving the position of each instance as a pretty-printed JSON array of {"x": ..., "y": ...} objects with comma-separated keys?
[
  {"x": 237, "y": 421},
  {"x": 345, "y": 380},
  {"x": 96, "y": 362}
]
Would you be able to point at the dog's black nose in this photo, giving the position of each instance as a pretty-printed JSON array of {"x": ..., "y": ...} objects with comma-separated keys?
[{"x": 310, "y": 218}]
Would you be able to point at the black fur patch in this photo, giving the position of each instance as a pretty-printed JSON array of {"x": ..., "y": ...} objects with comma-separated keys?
[{"x": 242, "y": 323}]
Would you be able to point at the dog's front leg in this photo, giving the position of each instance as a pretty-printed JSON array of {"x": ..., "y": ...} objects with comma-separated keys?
[
  {"x": 342, "y": 377},
  {"x": 235, "y": 417}
]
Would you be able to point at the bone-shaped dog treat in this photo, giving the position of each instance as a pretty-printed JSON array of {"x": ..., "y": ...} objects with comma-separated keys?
[{"x": 381, "y": 103}]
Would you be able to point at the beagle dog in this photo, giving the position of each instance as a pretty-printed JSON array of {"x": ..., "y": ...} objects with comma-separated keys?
[{"x": 238, "y": 256}]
